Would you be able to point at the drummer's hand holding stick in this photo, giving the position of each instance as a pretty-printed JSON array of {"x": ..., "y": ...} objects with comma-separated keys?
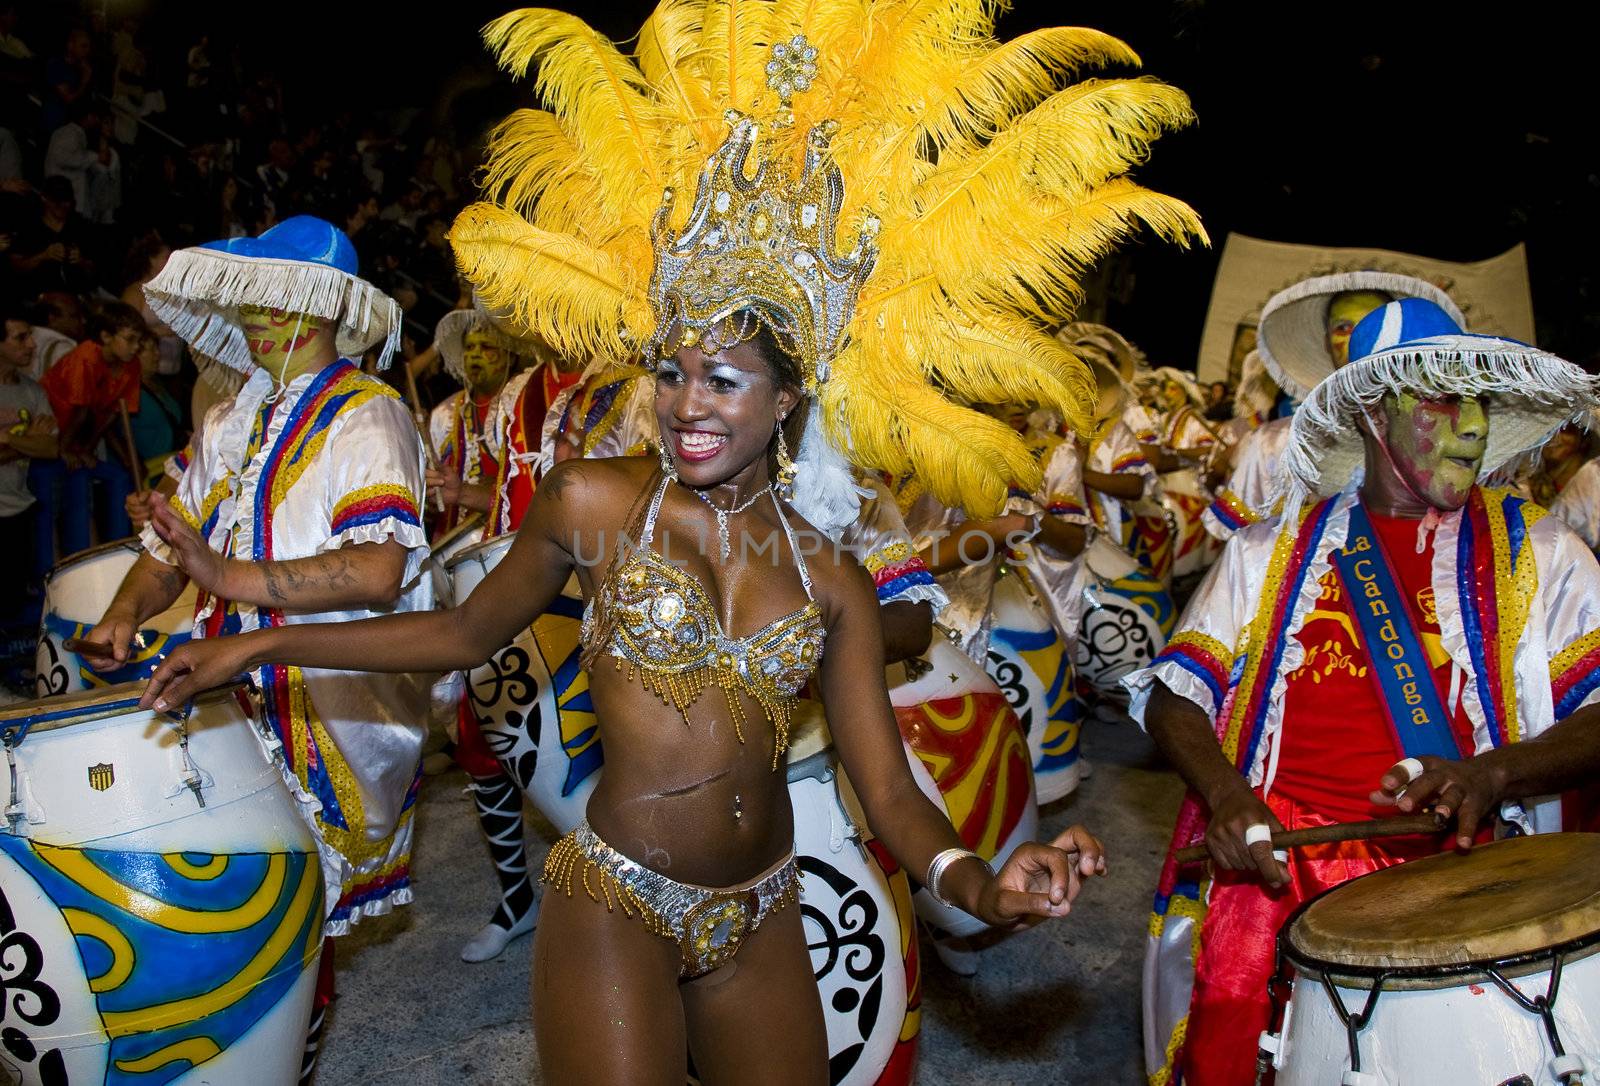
[
  {"x": 150, "y": 587},
  {"x": 1564, "y": 756},
  {"x": 1239, "y": 834}
]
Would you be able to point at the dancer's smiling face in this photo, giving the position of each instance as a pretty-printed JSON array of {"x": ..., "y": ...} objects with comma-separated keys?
[
  {"x": 484, "y": 362},
  {"x": 717, "y": 411},
  {"x": 1437, "y": 444}
]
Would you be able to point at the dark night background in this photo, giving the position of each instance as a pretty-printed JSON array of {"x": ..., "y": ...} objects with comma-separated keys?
[{"x": 1443, "y": 129}]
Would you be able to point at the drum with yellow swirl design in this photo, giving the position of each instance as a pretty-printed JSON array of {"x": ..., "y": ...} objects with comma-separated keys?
[
  {"x": 1030, "y": 662},
  {"x": 161, "y": 897}
]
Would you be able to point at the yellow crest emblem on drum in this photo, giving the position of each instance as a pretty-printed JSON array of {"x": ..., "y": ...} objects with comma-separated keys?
[{"x": 102, "y": 776}]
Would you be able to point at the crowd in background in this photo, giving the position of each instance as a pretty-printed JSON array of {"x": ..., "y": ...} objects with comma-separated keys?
[{"x": 117, "y": 147}]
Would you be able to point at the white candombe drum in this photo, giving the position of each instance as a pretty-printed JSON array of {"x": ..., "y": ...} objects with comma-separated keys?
[
  {"x": 1120, "y": 629},
  {"x": 953, "y": 715},
  {"x": 1193, "y": 548},
  {"x": 856, "y": 910},
  {"x": 143, "y": 932},
  {"x": 1437, "y": 929},
  {"x": 76, "y": 595},
  {"x": 1030, "y": 662},
  {"x": 466, "y": 534},
  {"x": 532, "y": 698}
]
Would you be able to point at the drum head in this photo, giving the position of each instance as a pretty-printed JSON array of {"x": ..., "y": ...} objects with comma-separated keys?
[{"x": 1511, "y": 898}]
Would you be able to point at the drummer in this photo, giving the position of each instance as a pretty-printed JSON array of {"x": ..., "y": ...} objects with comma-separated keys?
[
  {"x": 479, "y": 356},
  {"x": 301, "y": 504},
  {"x": 1304, "y": 335},
  {"x": 1277, "y": 711}
]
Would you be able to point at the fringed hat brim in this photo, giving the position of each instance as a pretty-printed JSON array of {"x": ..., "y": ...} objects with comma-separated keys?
[
  {"x": 1292, "y": 338},
  {"x": 1107, "y": 341},
  {"x": 199, "y": 292},
  {"x": 1191, "y": 387},
  {"x": 1534, "y": 394}
]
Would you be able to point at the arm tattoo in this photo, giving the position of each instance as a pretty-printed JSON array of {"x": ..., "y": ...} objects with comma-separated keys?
[{"x": 329, "y": 571}]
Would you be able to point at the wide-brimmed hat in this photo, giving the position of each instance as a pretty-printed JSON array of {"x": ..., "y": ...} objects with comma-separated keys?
[
  {"x": 1257, "y": 393},
  {"x": 1191, "y": 388},
  {"x": 1292, "y": 338},
  {"x": 450, "y": 338},
  {"x": 1417, "y": 346},
  {"x": 302, "y": 265},
  {"x": 1104, "y": 341}
]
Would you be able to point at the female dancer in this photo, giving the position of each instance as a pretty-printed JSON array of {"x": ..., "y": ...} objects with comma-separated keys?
[
  {"x": 691, "y": 803},
  {"x": 750, "y": 309}
]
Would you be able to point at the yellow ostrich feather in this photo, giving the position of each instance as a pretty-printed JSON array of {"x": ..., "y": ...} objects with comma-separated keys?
[{"x": 999, "y": 172}]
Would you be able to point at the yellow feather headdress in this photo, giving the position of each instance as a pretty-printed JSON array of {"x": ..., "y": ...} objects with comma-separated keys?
[{"x": 996, "y": 178}]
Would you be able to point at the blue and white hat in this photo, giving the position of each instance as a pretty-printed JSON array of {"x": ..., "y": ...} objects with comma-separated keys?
[
  {"x": 302, "y": 265},
  {"x": 1416, "y": 346},
  {"x": 1292, "y": 337}
]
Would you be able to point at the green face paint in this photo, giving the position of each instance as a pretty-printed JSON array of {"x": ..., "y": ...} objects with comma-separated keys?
[{"x": 1437, "y": 445}]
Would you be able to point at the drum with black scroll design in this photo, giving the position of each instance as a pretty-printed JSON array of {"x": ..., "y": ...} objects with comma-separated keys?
[
  {"x": 1458, "y": 968},
  {"x": 76, "y": 595},
  {"x": 1123, "y": 627},
  {"x": 532, "y": 698},
  {"x": 161, "y": 896},
  {"x": 1030, "y": 662},
  {"x": 855, "y": 906}
]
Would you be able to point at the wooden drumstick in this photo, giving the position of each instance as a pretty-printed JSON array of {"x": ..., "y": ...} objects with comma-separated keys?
[
  {"x": 133, "y": 448},
  {"x": 1403, "y": 826}
]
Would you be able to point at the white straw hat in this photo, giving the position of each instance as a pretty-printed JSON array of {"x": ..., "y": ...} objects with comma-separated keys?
[
  {"x": 1292, "y": 338},
  {"x": 1417, "y": 346}
]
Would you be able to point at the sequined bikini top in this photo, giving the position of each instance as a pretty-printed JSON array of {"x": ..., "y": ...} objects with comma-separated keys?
[{"x": 659, "y": 622}]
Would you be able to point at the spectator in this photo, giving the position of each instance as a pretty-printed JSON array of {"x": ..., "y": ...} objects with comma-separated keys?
[
  {"x": 406, "y": 210},
  {"x": 146, "y": 257},
  {"x": 199, "y": 61},
  {"x": 87, "y": 389},
  {"x": 1219, "y": 402},
  {"x": 50, "y": 253},
  {"x": 11, "y": 46},
  {"x": 69, "y": 79},
  {"x": 158, "y": 425},
  {"x": 81, "y": 151},
  {"x": 59, "y": 327},
  {"x": 27, "y": 433},
  {"x": 133, "y": 96},
  {"x": 276, "y": 173}
]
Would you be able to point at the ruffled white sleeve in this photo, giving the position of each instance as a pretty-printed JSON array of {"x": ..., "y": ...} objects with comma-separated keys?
[{"x": 375, "y": 481}]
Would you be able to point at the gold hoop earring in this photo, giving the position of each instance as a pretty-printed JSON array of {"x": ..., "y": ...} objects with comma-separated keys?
[{"x": 786, "y": 467}]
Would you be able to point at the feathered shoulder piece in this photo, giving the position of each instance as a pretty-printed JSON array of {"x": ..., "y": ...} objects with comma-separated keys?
[{"x": 975, "y": 180}]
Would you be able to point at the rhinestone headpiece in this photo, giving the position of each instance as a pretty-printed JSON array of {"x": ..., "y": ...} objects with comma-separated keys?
[{"x": 764, "y": 243}]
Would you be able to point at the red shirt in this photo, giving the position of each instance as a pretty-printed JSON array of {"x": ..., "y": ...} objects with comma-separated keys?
[
  {"x": 1336, "y": 741},
  {"x": 82, "y": 384}
]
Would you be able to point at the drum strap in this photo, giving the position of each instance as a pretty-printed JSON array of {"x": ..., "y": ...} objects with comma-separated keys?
[{"x": 1397, "y": 664}]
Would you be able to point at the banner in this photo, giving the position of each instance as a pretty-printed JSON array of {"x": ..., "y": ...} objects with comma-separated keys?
[{"x": 1493, "y": 294}]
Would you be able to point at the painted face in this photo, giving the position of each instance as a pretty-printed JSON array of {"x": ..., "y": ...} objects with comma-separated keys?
[
  {"x": 484, "y": 361},
  {"x": 279, "y": 338},
  {"x": 1344, "y": 313},
  {"x": 717, "y": 412},
  {"x": 123, "y": 346},
  {"x": 1437, "y": 445},
  {"x": 1173, "y": 396}
]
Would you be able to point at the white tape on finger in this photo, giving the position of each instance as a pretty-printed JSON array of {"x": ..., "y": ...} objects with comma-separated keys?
[
  {"x": 1411, "y": 767},
  {"x": 1258, "y": 834}
]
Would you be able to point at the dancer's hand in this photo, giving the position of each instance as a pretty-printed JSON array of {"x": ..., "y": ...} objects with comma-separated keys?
[
  {"x": 194, "y": 667},
  {"x": 1468, "y": 789},
  {"x": 447, "y": 485},
  {"x": 140, "y": 504},
  {"x": 1039, "y": 882},
  {"x": 190, "y": 553},
  {"x": 1225, "y": 836}
]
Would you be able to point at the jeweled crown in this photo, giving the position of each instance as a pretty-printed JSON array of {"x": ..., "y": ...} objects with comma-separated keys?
[{"x": 764, "y": 243}]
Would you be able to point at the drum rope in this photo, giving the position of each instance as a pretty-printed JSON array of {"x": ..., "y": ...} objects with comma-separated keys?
[{"x": 1354, "y": 1023}]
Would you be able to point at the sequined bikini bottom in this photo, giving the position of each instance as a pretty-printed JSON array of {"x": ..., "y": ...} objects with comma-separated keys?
[{"x": 708, "y": 924}]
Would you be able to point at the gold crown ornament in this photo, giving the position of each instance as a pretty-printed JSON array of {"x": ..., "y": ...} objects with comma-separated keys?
[
  {"x": 762, "y": 243},
  {"x": 979, "y": 178}
]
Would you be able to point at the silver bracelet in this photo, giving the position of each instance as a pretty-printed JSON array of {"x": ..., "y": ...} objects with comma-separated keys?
[{"x": 941, "y": 863}]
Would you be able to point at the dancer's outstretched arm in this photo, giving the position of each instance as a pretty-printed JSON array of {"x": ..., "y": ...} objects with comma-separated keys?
[{"x": 514, "y": 593}]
